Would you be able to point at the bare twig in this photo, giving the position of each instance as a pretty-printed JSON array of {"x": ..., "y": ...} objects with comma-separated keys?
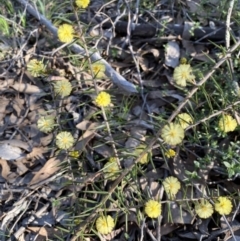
[
  {"x": 111, "y": 138},
  {"x": 236, "y": 211},
  {"x": 213, "y": 115},
  {"x": 151, "y": 235},
  {"x": 159, "y": 228},
  {"x": 230, "y": 228},
  {"x": 227, "y": 35},
  {"x": 142, "y": 230}
]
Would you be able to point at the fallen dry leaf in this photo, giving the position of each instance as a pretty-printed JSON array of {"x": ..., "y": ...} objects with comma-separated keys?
[
  {"x": 18, "y": 106},
  {"x": 168, "y": 228},
  {"x": 87, "y": 125},
  {"x": 45, "y": 233},
  {"x": 9, "y": 152},
  {"x": 172, "y": 54},
  {"x": 174, "y": 213},
  {"x": 193, "y": 5},
  {"x": 6, "y": 173},
  {"x": 87, "y": 136},
  {"x": 37, "y": 153},
  {"x": 21, "y": 168},
  {"x": 14, "y": 212},
  {"x": 180, "y": 166},
  {"x": 4, "y": 103},
  {"x": 103, "y": 149},
  {"x": 50, "y": 168},
  {"x": 27, "y": 88},
  {"x": 17, "y": 143},
  {"x": 144, "y": 63},
  {"x": 148, "y": 185}
]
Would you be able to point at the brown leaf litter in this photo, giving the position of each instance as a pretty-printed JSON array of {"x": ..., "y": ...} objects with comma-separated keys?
[{"x": 44, "y": 194}]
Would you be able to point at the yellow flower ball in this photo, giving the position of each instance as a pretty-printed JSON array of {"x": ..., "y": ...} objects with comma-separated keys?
[
  {"x": 112, "y": 159},
  {"x": 171, "y": 186},
  {"x": 98, "y": 70},
  {"x": 223, "y": 205},
  {"x": 153, "y": 208},
  {"x": 103, "y": 99},
  {"x": 111, "y": 170},
  {"x": 227, "y": 123},
  {"x": 105, "y": 224},
  {"x": 46, "y": 124},
  {"x": 66, "y": 33},
  {"x": 204, "y": 209},
  {"x": 183, "y": 60},
  {"x": 172, "y": 134},
  {"x": 184, "y": 120},
  {"x": 63, "y": 88},
  {"x": 74, "y": 154},
  {"x": 36, "y": 68},
  {"x": 170, "y": 153},
  {"x": 182, "y": 74},
  {"x": 82, "y": 3},
  {"x": 139, "y": 149},
  {"x": 64, "y": 140}
]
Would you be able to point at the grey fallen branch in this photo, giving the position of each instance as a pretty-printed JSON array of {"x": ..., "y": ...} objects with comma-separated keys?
[
  {"x": 110, "y": 72},
  {"x": 147, "y": 30}
]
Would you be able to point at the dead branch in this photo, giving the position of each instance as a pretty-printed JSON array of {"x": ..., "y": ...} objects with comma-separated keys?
[{"x": 150, "y": 30}]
